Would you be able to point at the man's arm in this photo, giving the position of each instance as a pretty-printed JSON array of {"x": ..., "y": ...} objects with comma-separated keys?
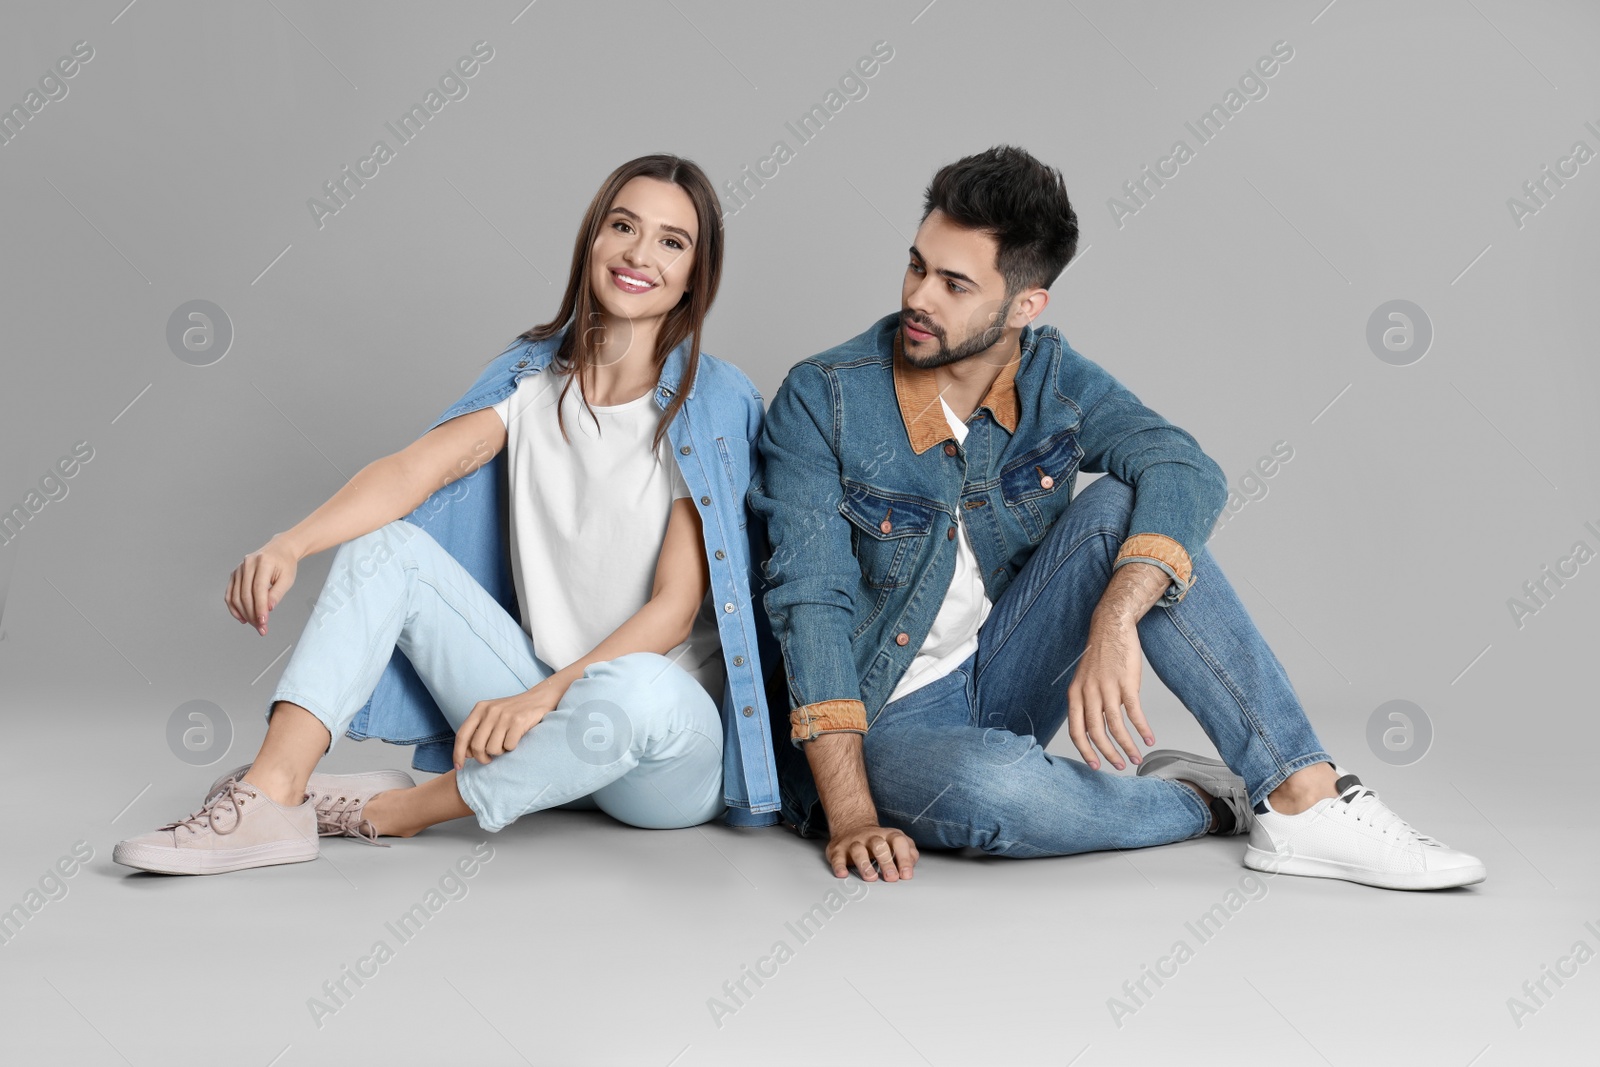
[
  {"x": 1178, "y": 490},
  {"x": 811, "y": 577},
  {"x": 1178, "y": 493}
]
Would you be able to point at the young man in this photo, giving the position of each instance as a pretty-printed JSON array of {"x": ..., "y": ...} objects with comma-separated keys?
[{"x": 943, "y": 602}]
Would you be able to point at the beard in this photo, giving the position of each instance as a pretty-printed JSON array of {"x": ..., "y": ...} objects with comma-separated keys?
[{"x": 980, "y": 341}]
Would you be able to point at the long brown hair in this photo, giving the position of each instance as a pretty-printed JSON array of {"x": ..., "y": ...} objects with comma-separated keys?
[{"x": 578, "y": 305}]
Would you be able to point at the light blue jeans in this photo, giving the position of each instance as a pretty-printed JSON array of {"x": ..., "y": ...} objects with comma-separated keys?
[{"x": 636, "y": 736}]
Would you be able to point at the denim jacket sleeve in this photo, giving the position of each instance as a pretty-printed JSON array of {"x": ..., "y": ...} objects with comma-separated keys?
[
  {"x": 1178, "y": 489},
  {"x": 811, "y": 574}
]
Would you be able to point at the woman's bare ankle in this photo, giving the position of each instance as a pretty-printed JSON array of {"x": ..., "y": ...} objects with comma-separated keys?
[
  {"x": 387, "y": 816},
  {"x": 283, "y": 787}
]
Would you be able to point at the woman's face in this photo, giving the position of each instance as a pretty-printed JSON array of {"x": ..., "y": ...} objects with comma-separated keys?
[{"x": 640, "y": 263}]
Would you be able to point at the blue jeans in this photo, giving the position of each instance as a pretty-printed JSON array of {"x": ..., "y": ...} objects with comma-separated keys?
[
  {"x": 636, "y": 736},
  {"x": 961, "y": 762}
]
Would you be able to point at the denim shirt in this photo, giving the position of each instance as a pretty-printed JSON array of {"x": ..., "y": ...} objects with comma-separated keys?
[
  {"x": 860, "y": 506},
  {"x": 713, "y": 439}
]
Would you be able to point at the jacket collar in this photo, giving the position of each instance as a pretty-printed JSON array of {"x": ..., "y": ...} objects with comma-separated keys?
[
  {"x": 917, "y": 390},
  {"x": 676, "y": 366},
  {"x": 672, "y": 370}
]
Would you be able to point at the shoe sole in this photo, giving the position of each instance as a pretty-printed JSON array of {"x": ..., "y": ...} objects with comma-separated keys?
[
  {"x": 220, "y": 861},
  {"x": 1305, "y": 866}
]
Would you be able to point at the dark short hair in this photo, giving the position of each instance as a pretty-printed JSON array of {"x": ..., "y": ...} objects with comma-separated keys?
[{"x": 1006, "y": 192}]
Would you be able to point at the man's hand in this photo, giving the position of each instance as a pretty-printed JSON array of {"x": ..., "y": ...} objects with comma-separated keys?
[
  {"x": 1107, "y": 678},
  {"x": 894, "y": 852},
  {"x": 495, "y": 726},
  {"x": 856, "y": 838}
]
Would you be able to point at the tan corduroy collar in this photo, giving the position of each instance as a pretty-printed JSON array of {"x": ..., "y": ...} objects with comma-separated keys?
[{"x": 917, "y": 390}]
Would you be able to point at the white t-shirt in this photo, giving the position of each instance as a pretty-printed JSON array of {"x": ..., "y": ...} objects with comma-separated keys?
[
  {"x": 954, "y": 634},
  {"x": 587, "y": 520}
]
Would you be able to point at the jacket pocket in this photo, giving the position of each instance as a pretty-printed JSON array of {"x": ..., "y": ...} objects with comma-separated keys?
[
  {"x": 1036, "y": 485},
  {"x": 886, "y": 532}
]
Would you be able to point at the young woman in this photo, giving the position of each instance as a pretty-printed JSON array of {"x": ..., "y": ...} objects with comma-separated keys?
[{"x": 634, "y": 679}]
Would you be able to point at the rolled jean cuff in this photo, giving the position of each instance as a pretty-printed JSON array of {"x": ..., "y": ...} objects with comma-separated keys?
[
  {"x": 826, "y": 717},
  {"x": 301, "y": 700},
  {"x": 1161, "y": 551},
  {"x": 1281, "y": 775}
]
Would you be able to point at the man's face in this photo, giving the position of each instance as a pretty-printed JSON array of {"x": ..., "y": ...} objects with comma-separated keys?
[{"x": 953, "y": 302}]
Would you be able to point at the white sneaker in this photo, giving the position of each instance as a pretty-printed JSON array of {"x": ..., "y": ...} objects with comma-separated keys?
[{"x": 1355, "y": 836}]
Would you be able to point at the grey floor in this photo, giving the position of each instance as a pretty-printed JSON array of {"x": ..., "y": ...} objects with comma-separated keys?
[
  {"x": 581, "y": 941},
  {"x": 1250, "y": 299}
]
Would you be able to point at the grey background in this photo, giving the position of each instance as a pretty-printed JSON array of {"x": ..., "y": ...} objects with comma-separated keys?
[{"x": 1379, "y": 562}]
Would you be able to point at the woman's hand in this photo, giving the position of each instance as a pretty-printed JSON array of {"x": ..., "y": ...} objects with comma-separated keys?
[
  {"x": 495, "y": 726},
  {"x": 260, "y": 583}
]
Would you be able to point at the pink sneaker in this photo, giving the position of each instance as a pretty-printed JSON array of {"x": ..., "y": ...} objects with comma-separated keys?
[
  {"x": 237, "y": 827},
  {"x": 339, "y": 798}
]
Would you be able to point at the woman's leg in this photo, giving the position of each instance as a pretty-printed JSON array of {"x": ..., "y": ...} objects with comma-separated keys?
[
  {"x": 638, "y": 716},
  {"x": 407, "y": 812},
  {"x": 637, "y": 735},
  {"x": 295, "y": 741},
  {"x": 395, "y": 587},
  {"x": 671, "y": 772}
]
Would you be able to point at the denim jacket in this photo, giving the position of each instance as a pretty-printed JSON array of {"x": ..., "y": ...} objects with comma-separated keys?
[
  {"x": 713, "y": 439},
  {"x": 861, "y": 480}
]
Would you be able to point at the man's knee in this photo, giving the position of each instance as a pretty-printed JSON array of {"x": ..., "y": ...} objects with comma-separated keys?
[
  {"x": 1107, "y": 501},
  {"x": 957, "y": 789}
]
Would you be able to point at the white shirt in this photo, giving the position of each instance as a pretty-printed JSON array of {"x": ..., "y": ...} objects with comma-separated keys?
[
  {"x": 954, "y": 634},
  {"x": 586, "y": 521}
]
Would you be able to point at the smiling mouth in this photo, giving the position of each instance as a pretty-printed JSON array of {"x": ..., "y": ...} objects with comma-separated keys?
[{"x": 631, "y": 283}]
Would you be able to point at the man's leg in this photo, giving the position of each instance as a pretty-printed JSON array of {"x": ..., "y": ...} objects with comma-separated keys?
[
  {"x": 1205, "y": 649},
  {"x": 949, "y": 781}
]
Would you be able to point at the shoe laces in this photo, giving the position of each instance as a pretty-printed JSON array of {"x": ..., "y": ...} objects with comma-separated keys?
[
  {"x": 341, "y": 817},
  {"x": 230, "y": 796},
  {"x": 1365, "y": 806}
]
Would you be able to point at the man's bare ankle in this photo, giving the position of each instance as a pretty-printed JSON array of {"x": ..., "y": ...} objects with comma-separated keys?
[{"x": 1303, "y": 788}]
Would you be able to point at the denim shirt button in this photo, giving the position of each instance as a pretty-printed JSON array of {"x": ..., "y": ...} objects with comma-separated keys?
[
  {"x": 524, "y": 363},
  {"x": 721, "y": 554},
  {"x": 728, "y": 608},
  {"x": 949, "y": 450},
  {"x": 901, "y": 639},
  {"x": 706, "y": 501},
  {"x": 748, "y": 711},
  {"x": 738, "y": 661},
  {"x": 950, "y": 534},
  {"x": 885, "y": 525},
  {"x": 684, "y": 450},
  {"x": 1046, "y": 482}
]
